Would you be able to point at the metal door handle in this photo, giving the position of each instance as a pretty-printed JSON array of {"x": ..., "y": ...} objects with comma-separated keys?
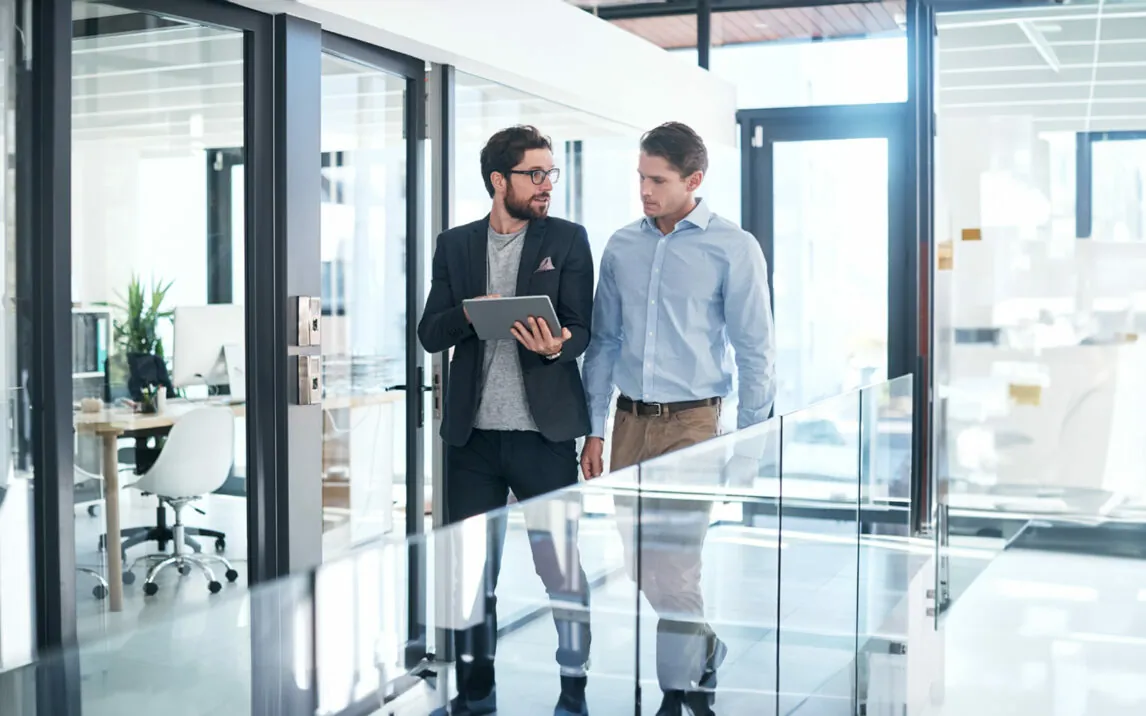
[{"x": 392, "y": 388}]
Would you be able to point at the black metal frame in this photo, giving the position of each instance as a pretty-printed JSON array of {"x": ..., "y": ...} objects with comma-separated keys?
[
  {"x": 44, "y": 332},
  {"x": 890, "y": 121},
  {"x": 670, "y": 8},
  {"x": 921, "y": 32}
]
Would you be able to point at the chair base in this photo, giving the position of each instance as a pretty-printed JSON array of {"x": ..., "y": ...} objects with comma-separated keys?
[
  {"x": 161, "y": 534},
  {"x": 100, "y": 590},
  {"x": 183, "y": 561}
]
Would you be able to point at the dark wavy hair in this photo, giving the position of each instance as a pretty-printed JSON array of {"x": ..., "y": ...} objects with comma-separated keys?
[{"x": 505, "y": 149}]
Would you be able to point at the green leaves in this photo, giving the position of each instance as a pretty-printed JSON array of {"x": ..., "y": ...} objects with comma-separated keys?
[{"x": 137, "y": 330}]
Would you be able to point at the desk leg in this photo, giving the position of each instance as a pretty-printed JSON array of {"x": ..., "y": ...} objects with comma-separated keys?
[{"x": 111, "y": 507}]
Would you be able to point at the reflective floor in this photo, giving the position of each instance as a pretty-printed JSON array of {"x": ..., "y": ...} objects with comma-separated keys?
[{"x": 1048, "y": 634}]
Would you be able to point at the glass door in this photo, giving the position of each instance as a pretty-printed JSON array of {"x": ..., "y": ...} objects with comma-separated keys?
[{"x": 826, "y": 201}]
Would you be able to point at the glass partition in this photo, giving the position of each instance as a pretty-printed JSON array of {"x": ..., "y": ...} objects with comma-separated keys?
[
  {"x": 708, "y": 555},
  {"x": 819, "y": 486},
  {"x": 766, "y": 571}
]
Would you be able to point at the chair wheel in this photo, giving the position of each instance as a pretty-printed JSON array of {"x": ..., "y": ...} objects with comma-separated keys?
[
  {"x": 185, "y": 569},
  {"x": 99, "y": 591},
  {"x": 232, "y": 575},
  {"x": 129, "y": 577},
  {"x": 220, "y": 544},
  {"x": 150, "y": 588},
  {"x": 215, "y": 587}
]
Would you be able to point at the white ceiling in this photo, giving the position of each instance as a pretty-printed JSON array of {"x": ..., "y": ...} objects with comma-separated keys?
[
  {"x": 176, "y": 89},
  {"x": 1076, "y": 67}
]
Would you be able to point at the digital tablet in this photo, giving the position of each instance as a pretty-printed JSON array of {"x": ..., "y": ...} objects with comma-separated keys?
[{"x": 493, "y": 318}]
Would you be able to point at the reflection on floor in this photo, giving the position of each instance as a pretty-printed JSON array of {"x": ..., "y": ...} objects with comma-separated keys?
[
  {"x": 1049, "y": 634},
  {"x": 198, "y": 663}
]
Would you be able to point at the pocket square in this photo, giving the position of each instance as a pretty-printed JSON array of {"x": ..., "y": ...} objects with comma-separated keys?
[{"x": 546, "y": 265}]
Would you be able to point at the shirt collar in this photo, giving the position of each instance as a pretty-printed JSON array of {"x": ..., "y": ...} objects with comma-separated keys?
[{"x": 699, "y": 218}]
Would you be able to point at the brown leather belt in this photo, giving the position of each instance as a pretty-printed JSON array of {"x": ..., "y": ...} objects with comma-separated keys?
[{"x": 656, "y": 410}]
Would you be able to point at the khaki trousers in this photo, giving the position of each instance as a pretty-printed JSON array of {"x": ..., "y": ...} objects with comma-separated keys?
[{"x": 665, "y": 536}]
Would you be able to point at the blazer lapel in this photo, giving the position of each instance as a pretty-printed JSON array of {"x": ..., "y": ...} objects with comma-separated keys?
[
  {"x": 530, "y": 253},
  {"x": 478, "y": 256}
]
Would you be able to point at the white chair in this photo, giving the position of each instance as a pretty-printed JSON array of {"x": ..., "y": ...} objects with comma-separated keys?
[{"x": 195, "y": 461}]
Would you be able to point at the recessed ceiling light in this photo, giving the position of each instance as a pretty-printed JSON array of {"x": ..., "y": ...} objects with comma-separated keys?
[
  {"x": 900, "y": 19},
  {"x": 762, "y": 25}
]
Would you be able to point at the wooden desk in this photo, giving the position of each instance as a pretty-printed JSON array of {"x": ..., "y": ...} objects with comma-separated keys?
[{"x": 110, "y": 424}]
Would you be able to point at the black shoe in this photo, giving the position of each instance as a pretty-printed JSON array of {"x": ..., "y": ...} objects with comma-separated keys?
[
  {"x": 572, "y": 699},
  {"x": 699, "y": 703},
  {"x": 672, "y": 704},
  {"x": 465, "y": 707}
]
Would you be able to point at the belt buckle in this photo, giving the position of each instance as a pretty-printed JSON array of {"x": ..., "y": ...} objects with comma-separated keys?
[{"x": 660, "y": 409}]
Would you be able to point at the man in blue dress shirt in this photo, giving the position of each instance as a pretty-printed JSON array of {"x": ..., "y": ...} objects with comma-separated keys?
[{"x": 677, "y": 290}]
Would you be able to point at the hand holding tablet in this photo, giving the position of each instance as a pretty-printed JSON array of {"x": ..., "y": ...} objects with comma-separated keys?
[{"x": 530, "y": 320}]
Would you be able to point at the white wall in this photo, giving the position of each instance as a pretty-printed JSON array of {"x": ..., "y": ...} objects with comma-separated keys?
[
  {"x": 137, "y": 214},
  {"x": 545, "y": 47}
]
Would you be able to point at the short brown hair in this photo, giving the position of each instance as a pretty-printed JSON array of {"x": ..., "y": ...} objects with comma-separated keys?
[
  {"x": 505, "y": 149},
  {"x": 678, "y": 145}
]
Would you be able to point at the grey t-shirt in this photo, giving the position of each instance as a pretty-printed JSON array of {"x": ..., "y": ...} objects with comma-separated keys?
[{"x": 503, "y": 402}]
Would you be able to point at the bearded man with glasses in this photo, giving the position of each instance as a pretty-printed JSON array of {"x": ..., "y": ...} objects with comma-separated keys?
[{"x": 514, "y": 408}]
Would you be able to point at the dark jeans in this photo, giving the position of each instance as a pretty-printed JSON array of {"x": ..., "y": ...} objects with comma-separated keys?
[{"x": 479, "y": 478}]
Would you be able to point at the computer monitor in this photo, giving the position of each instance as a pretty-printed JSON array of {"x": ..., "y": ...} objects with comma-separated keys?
[{"x": 209, "y": 346}]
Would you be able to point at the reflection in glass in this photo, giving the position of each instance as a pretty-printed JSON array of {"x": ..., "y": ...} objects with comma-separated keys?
[
  {"x": 157, "y": 350},
  {"x": 830, "y": 273},
  {"x": 363, "y": 303}
]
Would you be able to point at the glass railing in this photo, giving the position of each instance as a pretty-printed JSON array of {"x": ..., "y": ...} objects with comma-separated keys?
[{"x": 768, "y": 571}]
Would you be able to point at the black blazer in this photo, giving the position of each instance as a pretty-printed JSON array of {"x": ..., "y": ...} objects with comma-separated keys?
[{"x": 553, "y": 387}]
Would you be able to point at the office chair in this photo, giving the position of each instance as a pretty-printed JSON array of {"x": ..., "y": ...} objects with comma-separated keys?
[
  {"x": 144, "y": 456},
  {"x": 195, "y": 461}
]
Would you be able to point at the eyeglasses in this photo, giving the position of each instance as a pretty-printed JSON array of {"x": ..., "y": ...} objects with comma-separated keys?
[{"x": 537, "y": 176}]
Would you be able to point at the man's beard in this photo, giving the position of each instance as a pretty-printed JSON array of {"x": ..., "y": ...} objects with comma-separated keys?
[{"x": 524, "y": 210}]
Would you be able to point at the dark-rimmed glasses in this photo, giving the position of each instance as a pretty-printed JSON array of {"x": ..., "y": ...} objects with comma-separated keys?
[{"x": 538, "y": 176}]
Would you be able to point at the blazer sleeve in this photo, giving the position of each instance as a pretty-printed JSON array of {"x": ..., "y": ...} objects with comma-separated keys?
[
  {"x": 444, "y": 323},
  {"x": 574, "y": 302}
]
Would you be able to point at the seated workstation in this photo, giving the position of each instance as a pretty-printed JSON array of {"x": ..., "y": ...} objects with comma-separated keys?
[{"x": 168, "y": 438}]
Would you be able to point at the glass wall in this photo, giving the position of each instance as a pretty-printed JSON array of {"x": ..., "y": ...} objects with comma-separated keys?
[
  {"x": 158, "y": 320},
  {"x": 363, "y": 302},
  {"x": 598, "y": 186},
  {"x": 1040, "y": 278},
  {"x": 17, "y": 630}
]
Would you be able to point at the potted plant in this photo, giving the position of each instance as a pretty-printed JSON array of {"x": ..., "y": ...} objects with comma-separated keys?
[{"x": 136, "y": 335}]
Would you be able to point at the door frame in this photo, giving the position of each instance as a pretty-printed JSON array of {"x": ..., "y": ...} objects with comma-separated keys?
[{"x": 761, "y": 129}]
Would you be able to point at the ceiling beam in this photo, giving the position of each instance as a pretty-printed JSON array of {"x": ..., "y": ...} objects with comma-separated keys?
[{"x": 665, "y": 8}]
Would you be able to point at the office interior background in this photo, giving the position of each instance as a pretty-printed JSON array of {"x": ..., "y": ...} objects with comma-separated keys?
[{"x": 951, "y": 197}]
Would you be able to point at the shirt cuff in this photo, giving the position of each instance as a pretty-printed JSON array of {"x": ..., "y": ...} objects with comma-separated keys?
[{"x": 598, "y": 426}]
